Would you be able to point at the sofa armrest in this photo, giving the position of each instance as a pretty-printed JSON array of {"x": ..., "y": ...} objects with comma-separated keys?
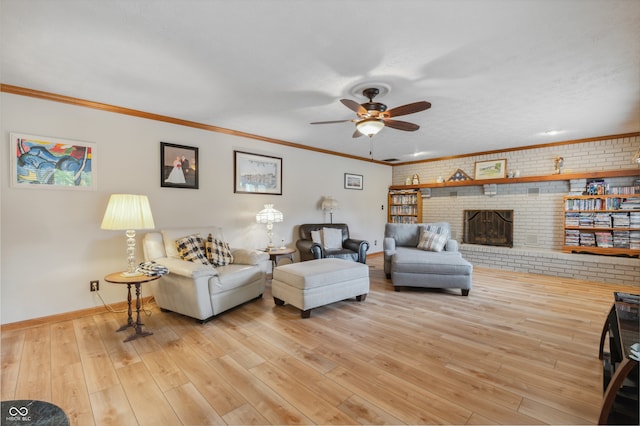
[
  {"x": 389, "y": 246},
  {"x": 248, "y": 256},
  {"x": 309, "y": 250},
  {"x": 355, "y": 245},
  {"x": 451, "y": 245},
  {"x": 359, "y": 246},
  {"x": 186, "y": 268}
]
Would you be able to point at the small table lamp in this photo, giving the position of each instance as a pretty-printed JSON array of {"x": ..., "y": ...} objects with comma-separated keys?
[
  {"x": 269, "y": 215},
  {"x": 331, "y": 204},
  {"x": 128, "y": 212}
]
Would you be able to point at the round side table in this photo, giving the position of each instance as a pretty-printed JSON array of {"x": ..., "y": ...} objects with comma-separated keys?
[
  {"x": 276, "y": 255},
  {"x": 136, "y": 280}
]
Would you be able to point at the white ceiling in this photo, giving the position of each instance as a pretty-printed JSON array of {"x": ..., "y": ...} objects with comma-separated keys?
[{"x": 499, "y": 73}]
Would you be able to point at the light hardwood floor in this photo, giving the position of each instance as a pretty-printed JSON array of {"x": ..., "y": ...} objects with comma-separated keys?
[{"x": 520, "y": 349}]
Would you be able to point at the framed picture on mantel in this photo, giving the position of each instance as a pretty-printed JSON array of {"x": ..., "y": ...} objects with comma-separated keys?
[{"x": 491, "y": 169}]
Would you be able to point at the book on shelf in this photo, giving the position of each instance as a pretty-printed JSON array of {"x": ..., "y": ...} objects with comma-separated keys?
[
  {"x": 631, "y": 203},
  {"x": 604, "y": 239},
  {"x": 634, "y": 240},
  {"x": 572, "y": 237}
]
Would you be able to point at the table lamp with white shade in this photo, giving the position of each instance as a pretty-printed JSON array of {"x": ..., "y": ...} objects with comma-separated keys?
[
  {"x": 128, "y": 212},
  {"x": 269, "y": 216}
]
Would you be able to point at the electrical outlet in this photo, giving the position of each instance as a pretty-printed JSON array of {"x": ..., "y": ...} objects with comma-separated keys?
[
  {"x": 375, "y": 242},
  {"x": 94, "y": 285}
]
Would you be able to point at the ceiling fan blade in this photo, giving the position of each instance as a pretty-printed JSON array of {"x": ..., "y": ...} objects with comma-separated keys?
[
  {"x": 408, "y": 109},
  {"x": 401, "y": 125},
  {"x": 354, "y": 106},
  {"x": 357, "y": 134},
  {"x": 330, "y": 122}
]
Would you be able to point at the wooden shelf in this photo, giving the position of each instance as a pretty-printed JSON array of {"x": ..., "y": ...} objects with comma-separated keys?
[
  {"x": 611, "y": 251},
  {"x": 524, "y": 179}
]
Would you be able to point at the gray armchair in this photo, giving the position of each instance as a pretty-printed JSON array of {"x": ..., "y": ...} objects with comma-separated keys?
[{"x": 352, "y": 249}]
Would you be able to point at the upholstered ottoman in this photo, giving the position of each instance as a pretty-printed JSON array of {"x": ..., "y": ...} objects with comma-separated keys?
[
  {"x": 415, "y": 268},
  {"x": 308, "y": 285}
]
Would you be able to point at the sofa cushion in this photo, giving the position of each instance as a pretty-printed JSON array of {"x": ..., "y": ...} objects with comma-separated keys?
[
  {"x": 218, "y": 251},
  {"x": 234, "y": 276},
  {"x": 405, "y": 234},
  {"x": 414, "y": 261},
  {"x": 191, "y": 248},
  {"x": 431, "y": 241}
]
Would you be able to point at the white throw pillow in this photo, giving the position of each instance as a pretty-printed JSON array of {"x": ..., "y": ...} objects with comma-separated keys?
[
  {"x": 332, "y": 238},
  {"x": 316, "y": 237},
  {"x": 431, "y": 241}
]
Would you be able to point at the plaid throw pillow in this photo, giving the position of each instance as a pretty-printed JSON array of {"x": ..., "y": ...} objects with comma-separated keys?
[
  {"x": 438, "y": 229},
  {"x": 192, "y": 248},
  {"x": 218, "y": 251},
  {"x": 431, "y": 241}
]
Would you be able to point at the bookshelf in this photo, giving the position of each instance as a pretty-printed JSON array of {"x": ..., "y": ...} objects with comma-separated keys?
[
  {"x": 602, "y": 224},
  {"x": 405, "y": 206}
]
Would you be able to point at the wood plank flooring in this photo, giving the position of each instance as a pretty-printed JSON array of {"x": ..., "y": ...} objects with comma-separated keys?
[{"x": 520, "y": 349}]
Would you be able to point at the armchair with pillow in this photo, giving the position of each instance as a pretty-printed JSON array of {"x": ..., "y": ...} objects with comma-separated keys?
[
  {"x": 325, "y": 240},
  {"x": 206, "y": 276},
  {"x": 424, "y": 255}
]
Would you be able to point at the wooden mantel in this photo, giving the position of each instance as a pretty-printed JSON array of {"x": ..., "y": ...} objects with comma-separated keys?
[{"x": 524, "y": 179}]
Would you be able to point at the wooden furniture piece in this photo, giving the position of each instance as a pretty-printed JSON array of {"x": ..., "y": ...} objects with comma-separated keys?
[
  {"x": 600, "y": 224},
  {"x": 137, "y": 280},
  {"x": 522, "y": 179},
  {"x": 276, "y": 255},
  {"x": 620, "y": 370},
  {"x": 405, "y": 206}
]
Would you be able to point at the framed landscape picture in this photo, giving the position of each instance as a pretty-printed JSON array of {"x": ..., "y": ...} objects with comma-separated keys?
[
  {"x": 42, "y": 162},
  {"x": 491, "y": 169},
  {"x": 352, "y": 181},
  {"x": 179, "y": 166},
  {"x": 257, "y": 174}
]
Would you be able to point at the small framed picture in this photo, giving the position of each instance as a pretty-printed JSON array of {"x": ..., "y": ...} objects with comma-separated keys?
[
  {"x": 178, "y": 166},
  {"x": 491, "y": 169},
  {"x": 43, "y": 162},
  {"x": 257, "y": 174},
  {"x": 352, "y": 181}
]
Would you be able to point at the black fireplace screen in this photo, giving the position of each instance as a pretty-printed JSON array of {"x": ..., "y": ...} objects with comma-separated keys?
[{"x": 488, "y": 227}]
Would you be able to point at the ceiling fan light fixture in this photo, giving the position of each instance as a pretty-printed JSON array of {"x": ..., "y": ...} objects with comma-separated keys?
[{"x": 370, "y": 126}]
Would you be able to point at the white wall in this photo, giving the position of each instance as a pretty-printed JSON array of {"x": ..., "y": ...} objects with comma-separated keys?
[{"x": 51, "y": 241}]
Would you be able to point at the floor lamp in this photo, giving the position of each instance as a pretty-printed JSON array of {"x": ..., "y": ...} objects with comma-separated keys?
[{"x": 331, "y": 204}]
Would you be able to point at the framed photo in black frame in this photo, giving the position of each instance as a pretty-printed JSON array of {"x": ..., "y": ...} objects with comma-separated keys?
[
  {"x": 257, "y": 174},
  {"x": 353, "y": 181},
  {"x": 178, "y": 166}
]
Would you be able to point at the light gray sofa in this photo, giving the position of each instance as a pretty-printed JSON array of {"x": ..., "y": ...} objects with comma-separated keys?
[
  {"x": 203, "y": 291},
  {"x": 409, "y": 266}
]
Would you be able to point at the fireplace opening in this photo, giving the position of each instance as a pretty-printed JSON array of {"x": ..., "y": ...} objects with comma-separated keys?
[{"x": 488, "y": 227}]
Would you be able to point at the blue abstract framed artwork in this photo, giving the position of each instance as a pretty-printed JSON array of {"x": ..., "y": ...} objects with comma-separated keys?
[{"x": 41, "y": 162}]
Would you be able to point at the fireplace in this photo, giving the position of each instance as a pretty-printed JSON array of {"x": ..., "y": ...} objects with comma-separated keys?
[{"x": 488, "y": 227}]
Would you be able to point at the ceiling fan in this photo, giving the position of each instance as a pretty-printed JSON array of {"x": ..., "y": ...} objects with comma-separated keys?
[{"x": 373, "y": 116}]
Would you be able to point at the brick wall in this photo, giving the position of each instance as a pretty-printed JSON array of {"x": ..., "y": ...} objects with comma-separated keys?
[{"x": 537, "y": 206}]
